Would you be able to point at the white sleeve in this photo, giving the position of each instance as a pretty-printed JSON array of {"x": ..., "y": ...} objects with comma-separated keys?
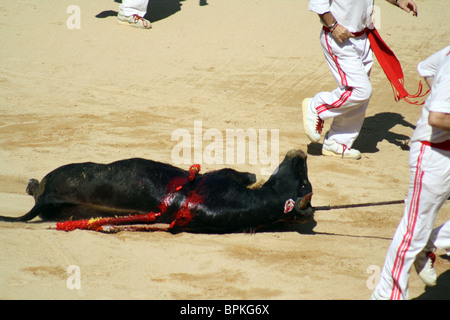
[
  {"x": 440, "y": 91},
  {"x": 429, "y": 66},
  {"x": 319, "y": 6}
]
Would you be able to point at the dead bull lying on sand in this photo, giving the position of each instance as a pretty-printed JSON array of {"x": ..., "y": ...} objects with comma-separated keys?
[{"x": 217, "y": 201}]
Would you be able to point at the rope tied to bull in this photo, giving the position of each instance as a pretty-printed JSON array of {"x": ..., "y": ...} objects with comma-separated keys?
[
  {"x": 104, "y": 224},
  {"x": 359, "y": 205}
]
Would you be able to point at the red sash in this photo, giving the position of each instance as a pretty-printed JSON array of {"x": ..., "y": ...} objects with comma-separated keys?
[
  {"x": 391, "y": 66},
  {"x": 439, "y": 145}
]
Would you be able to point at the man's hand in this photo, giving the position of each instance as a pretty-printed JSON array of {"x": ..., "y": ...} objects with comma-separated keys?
[
  {"x": 341, "y": 34},
  {"x": 408, "y": 6}
]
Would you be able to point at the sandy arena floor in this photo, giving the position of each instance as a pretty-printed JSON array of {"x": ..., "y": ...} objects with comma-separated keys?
[{"x": 106, "y": 92}]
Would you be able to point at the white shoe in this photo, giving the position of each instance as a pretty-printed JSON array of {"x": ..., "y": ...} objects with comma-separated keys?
[
  {"x": 332, "y": 148},
  {"x": 134, "y": 21},
  {"x": 311, "y": 121},
  {"x": 424, "y": 265}
]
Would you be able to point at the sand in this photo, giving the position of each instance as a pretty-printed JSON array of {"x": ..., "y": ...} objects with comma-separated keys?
[{"x": 104, "y": 92}]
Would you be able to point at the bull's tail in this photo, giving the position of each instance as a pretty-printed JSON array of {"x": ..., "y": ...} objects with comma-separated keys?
[
  {"x": 30, "y": 215},
  {"x": 32, "y": 189}
]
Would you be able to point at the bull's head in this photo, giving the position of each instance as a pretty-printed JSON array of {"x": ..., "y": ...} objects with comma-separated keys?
[
  {"x": 291, "y": 180},
  {"x": 302, "y": 210}
]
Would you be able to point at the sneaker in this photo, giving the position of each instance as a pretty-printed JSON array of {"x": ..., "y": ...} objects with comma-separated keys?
[
  {"x": 424, "y": 265},
  {"x": 311, "y": 121},
  {"x": 332, "y": 148},
  {"x": 134, "y": 21}
]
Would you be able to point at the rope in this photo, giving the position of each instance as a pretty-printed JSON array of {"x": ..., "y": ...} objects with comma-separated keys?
[{"x": 359, "y": 205}]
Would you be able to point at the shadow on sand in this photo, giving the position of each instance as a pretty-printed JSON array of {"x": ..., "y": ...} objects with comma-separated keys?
[
  {"x": 156, "y": 9},
  {"x": 374, "y": 130}
]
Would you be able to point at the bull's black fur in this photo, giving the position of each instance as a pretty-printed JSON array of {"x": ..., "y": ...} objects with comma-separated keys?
[{"x": 223, "y": 199}]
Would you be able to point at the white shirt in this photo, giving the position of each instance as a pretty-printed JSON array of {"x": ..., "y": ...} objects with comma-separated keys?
[
  {"x": 438, "y": 67},
  {"x": 355, "y": 15}
]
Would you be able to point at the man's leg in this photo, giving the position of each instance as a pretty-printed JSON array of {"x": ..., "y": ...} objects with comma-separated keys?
[
  {"x": 350, "y": 65},
  {"x": 132, "y": 12},
  {"x": 440, "y": 238},
  {"x": 430, "y": 175},
  {"x": 132, "y": 7},
  {"x": 424, "y": 263}
]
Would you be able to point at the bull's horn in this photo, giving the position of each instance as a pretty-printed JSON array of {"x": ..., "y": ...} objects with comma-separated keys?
[{"x": 303, "y": 203}]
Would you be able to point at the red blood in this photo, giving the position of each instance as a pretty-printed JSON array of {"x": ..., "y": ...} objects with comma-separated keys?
[{"x": 186, "y": 212}]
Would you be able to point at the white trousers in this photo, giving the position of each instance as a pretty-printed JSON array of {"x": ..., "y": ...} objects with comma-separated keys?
[
  {"x": 428, "y": 190},
  {"x": 131, "y": 7},
  {"x": 351, "y": 64}
]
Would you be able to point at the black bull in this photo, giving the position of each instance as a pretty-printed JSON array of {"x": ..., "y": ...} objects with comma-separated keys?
[{"x": 217, "y": 201}]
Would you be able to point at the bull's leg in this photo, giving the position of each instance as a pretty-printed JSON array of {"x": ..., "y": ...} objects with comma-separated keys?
[{"x": 77, "y": 211}]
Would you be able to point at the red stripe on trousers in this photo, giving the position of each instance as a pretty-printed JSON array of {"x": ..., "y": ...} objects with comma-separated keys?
[
  {"x": 343, "y": 98},
  {"x": 412, "y": 219},
  {"x": 341, "y": 72}
]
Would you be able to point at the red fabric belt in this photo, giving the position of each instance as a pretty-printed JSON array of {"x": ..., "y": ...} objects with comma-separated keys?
[
  {"x": 439, "y": 145},
  {"x": 390, "y": 65},
  {"x": 356, "y": 34}
]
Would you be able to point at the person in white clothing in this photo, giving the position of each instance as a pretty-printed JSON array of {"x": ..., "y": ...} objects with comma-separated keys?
[
  {"x": 349, "y": 55},
  {"x": 132, "y": 12},
  {"x": 415, "y": 239}
]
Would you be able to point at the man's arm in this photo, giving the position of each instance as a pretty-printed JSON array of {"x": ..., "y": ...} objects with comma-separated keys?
[
  {"x": 341, "y": 34},
  {"x": 427, "y": 68},
  {"x": 429, "y": 81},
  {"x": 407, "y": 5},
  {"x": 439, "y": 120}
]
